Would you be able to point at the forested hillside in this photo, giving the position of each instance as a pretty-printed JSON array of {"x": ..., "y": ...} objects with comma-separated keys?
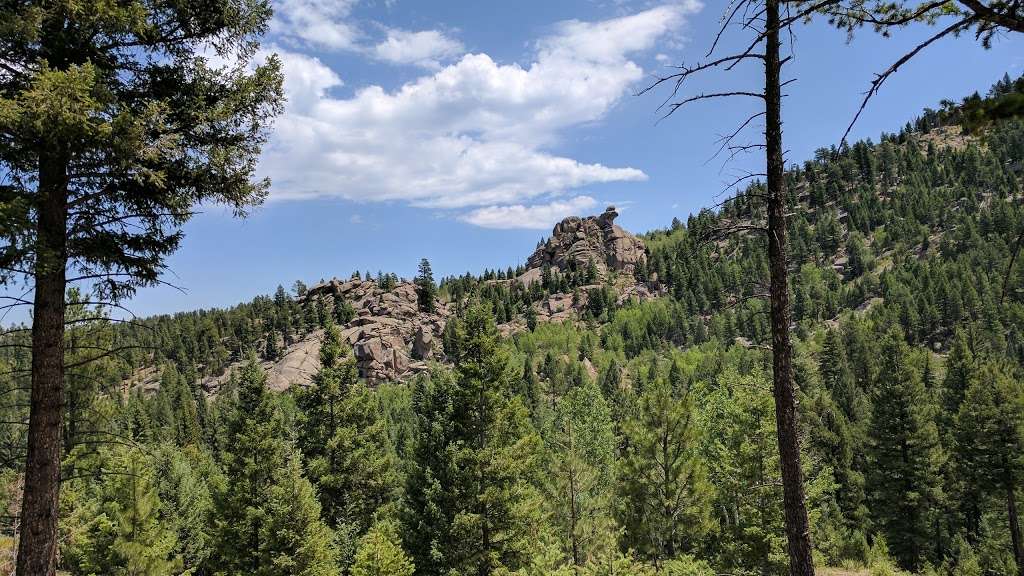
[{"x": 634, "y": 434}]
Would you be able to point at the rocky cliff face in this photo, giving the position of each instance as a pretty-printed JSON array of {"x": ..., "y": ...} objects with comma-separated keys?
[
  {"x": 579, "y": 241},
  {"x": 390, "y": 336},
  {"x": 392, "y": 339}
]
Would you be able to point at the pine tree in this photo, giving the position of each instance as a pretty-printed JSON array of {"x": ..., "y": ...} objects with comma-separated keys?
[
  {"x": 281, "y": 298},
  {"x": 183, "y": 480},
  {"x": 345, "y": 441},
  {"x": 321, "y": 413},
  {"x": 663, "y": 481},
  {"x": 331, "y": 349},
  {"x": 837, "y": 443},
  {"x": 960, "y": 370},
  {"x": 270, "y": 349},
  {"x": 124, "y": 534},
  {"x": 581, "y": 478},
  {"x": 358, "y": 472},
  {"x": 903, "y": 475},
  {"x": 473, "y": 508},
  {"x": 114, "y": 127},
  {"x": 530, "y": 390},
  {"x": 990, "y": 442},
  {"x": 426, "y": 290},
  {"x": 267, "y": 520},
  {"x": 343, "y": 311},
  {"x": 676, "y": 378},
  {"x": 174, "y": 412},
  {"x": 838, "y": 379},
  {"x": 380, "y": 553},
  {"x": 294, "y": 541},
  {"x": 738, "y": 438},
  {"x": 531, "y": 318},
  {"x": 611, "y": 381},
  {"x": 429, "y": 504},
  {"x": 838, "y": 416}
]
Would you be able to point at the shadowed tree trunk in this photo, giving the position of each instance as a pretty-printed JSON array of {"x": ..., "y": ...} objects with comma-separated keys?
[
  {"x": 116, "y": 131},
  {"x": 749, "y": 15},
  {"x": 37, "y": 549},
  {"x": 798, "y": 533}
]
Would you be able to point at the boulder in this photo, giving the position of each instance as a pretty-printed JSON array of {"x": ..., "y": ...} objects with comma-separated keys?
[
  {"x": 423, "y": 344},
  {"x": 370, "y": 350}
]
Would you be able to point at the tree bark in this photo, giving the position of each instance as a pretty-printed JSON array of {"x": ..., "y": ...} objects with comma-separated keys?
[
  {"x": 798, "y": 534},
  {"x": 1008, "y": 19},
  {"x": 37, "y": 549}
]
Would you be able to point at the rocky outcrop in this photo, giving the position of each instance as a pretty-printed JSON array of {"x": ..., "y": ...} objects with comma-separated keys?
[
  {"x": 423, "y": 344},
  {"x": 577, "y": 241},
  {"x": 390, "y": 337}
]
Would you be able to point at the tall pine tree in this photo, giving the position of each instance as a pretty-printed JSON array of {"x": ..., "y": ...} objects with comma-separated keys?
[
  {"x": 903, "y": 475},
  {"x": 267, "y": 520}
]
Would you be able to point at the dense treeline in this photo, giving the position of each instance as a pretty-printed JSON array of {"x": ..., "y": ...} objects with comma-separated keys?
[{"x": 638, "y": 440}]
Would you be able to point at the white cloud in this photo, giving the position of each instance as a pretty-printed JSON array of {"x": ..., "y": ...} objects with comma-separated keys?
[
  {"x": 538, "y": 216},
  {"x": 330, "y": 25},
  {"x": 611, "y": 40},
  {"x": 426, "y": 48},
  {"x": 317, "y": 23},
  {"x": 476, "y": 134},
  {"x": 307, "y": 81},
  {"x": 355, "y": 219}
]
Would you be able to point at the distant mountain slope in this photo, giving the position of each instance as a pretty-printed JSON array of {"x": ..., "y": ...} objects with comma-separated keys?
[{"x": 919, "y": 228}]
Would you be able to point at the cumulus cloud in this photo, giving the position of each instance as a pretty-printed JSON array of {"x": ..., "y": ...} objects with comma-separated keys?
[
  {"x": 538, "y": 216},
  {"x": 330, "y": 25},
  {"x": 609, "y": 41},
  {"x": 317, "y": 23},
  {"x": 475, "y": 135},
  {"x": 426, "y": 48}
]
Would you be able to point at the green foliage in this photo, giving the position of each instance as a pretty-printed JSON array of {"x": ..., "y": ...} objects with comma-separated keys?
[
  {"x": 183, "y": 479},
  {"x": 426, "y": 290},
  {"x": 349, "y": 452},
  {"x": 472, "y": 505},
  {"x": 905, "y": 455},
  {"x": 636, "y": 439},
  {"x": 738, "y": 446},
  {"x": 581, "y": 474},
  {"x": 119, "y": 529},
  {"x": 121, "y": 100},
  {"x": 664, "y": 484},
  {"x": 267, "y": 518},
  {"x": 687, "y": 566},
  {"x": 380, "y": 553},
  {"x": 880, "y": 563}
]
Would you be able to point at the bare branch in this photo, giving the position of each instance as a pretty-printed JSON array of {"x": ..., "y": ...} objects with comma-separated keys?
[
  {"x": 876, "y": 84},
  {"x": 726, "y": 140},
  {"x": 706, "y": 96}
]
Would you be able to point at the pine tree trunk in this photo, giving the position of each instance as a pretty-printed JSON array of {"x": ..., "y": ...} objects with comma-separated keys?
[
  {"x": 1011, "y": 512},
  {"x": 797, "y": 527},
  {"x": 37, "y": 549}
]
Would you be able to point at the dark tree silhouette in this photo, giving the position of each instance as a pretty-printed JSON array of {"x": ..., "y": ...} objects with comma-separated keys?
[
  {"x": 764, "y": 20},
  {"x": 113, "y": 126}
]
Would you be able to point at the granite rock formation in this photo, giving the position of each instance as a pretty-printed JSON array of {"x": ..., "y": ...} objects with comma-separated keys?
[
  {"x": 577, "y": 241},
  {"x": 390, "y": 337}
]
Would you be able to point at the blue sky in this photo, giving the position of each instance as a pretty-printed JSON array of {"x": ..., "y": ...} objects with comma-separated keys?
[{"x": 461, "y": 131}]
